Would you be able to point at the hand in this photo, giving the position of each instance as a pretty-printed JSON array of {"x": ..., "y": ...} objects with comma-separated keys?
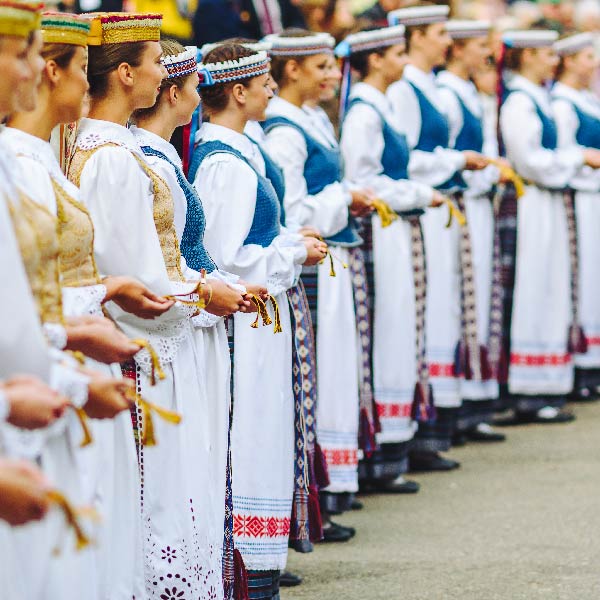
[
  {"x": 253, "y": 289},
  {"x": 225, "y": 300},
  {"x": 135, "y": 298},
  {"x": 316, "y": 251},
  {"x": 362, "y": 203},
  {"x": 438, "y": 199},
  {"x": 591, "y": 157},
  {"x": 23, "y": 490},
  {"x": 32, "y": 404},
  {"x": 107, "y": 397},
  {"x": 101, "y": 340},
  {"x": 310, "y": 232},
  {"x": 475, "y": 161}
]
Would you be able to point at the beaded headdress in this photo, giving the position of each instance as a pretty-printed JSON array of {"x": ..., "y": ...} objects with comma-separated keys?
[
  {"x": 316, "y": 43},
  {"x": 234, "y": 70},
  {"x": 182, "y": 64},
  {"x": 63, "y": 28},
  {"x": 19, "y": 18},
  {"x": 118, "y": 28},
  {"x": 574, "y": 44},
  {"x": 419, "y": 15},
  {"x": 464, "y": 30},
  {"x": 370, "y": 40},
  {"x": 533, "y": 38}
]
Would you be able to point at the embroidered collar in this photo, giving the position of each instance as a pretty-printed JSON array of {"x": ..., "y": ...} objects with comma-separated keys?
[{"x": 95, "y": 132}]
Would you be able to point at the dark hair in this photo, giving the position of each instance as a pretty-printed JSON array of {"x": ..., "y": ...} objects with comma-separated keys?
[
  {"x": 61, "y": 54},
  {"x": 513, "y": 58},
  {"x": 169, "y": 48},
  {"x": 103, "y": 60},
  {"x": 278, "y": 63},
  {"x": 215, "y": 97}
]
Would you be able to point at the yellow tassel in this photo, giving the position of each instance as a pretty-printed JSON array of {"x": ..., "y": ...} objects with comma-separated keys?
[
  {"x": 70, "y": 517},
  {"x": 261, "y": 310},
  {"x": 200, "y": 303},
  {"x": 148, "y": 437},
  {"x": 385, "y": 212},
  {"x": 156, "y": 368},
  {"x": 277, "y": 328},
  {"x": 331, "y": 267},
  {"x": 78, "y": 356},
  {"x": 510, "y": 174},
  {"x": 454, "y": 213},
  {"x": 83, "y": 421}
]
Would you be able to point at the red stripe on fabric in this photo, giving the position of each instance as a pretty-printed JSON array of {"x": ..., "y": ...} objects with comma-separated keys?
[
  {"x": 593, "y": 341},
  {"x": 539, "y": 360},
  {"x": 441, "y": 369},
  {"x": 345, "y": 457},
  {"x": 260, "y": 527},
  {"x": 389, "y": 411}
]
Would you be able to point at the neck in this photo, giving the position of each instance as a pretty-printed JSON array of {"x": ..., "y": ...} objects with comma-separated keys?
[
  {"x": 419, "y": 60},
  {"x": 232, "y": 119},
  {"x": 459, "y": 70},
  {"x": 39, "y": 122},
  {"x": 111, "y": 108},
  {"x": 159, "y": 123},
  {"x": 572, "y": 81},
  {"x": 293, "y": 96},
  {"x": 378, "y": 81},
  {"x": 531, "y": 76}
]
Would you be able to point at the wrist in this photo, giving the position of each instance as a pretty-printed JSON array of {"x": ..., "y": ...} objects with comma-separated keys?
[{"x": 114, "y": 286}]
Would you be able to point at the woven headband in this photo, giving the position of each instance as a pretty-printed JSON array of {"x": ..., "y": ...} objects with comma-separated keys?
[
  {"x": 233, "y": 70},
  {"x": 182, "y": 64},
  {"x": 63, "y": 28},
  {"x": 118, "y": 28},
  {"x": 19, "y": 18}
]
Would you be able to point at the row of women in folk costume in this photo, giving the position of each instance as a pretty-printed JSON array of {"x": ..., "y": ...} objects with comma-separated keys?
[{"x": 362, "y": 321}]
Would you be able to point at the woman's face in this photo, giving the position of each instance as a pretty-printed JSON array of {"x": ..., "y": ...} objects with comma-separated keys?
[
  {"x": 148, "y": 76},
  {"x": 474, "y": 54},
  {"x": 28, "y": 90},
  {"x": 16, "y": 72},
  {"x": 188, "y": 98},
  {"x": 258, "y": 93},
  {"x": 313, "y": 76},
  {"x": 333, "y": 77},
  {"x": 584, "y": 65},
  {"x": 545, "y": 61},
  {"x": 393, "y": 62},
  {"x": 436, "y": 42},
  {"x": 71, "y": 89}
]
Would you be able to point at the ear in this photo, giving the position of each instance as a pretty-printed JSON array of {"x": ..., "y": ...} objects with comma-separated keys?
[
  {"x": 238, "y": 93},
  {"x": 52, "y": 72},
  {"x": 173, "y": 94},
  {"x": 374, "y": 61},
  {"x": 292, "y": 70},
  {"x": 125, "y": 74}
]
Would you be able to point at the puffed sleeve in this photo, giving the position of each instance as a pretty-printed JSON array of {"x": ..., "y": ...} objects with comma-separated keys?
[
  {"x": 362, "y": 146},
  {"x": 432, "y": 168},
  {"x": 522, "y": 134},
  {"x": 327, "y": 211},
  {"x": 227, "y": 187}
]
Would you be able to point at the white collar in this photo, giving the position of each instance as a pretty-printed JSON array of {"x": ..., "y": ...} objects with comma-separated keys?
[
  {"x": 92, "y": 133},
  {"x": 148, "y": 138},
  {"x": 464, "y": 89},
  {"x": 538, "y": 92},
  {"x": 322, "y": 123},
  {"x": 425, "y": 82},
  {"x": 583, "y": 99},
  {"x": 368, "y": 93}
]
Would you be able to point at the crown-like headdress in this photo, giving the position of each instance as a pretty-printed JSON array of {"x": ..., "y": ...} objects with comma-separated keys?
[
  {"x": 370, "y": 40},
  {"x": 117, "y": 28},
  {"x": 419, "y": 15},
  {"x": 182, "y": 64},
  {"x": 19, "y": 18},
  {"x": 234, "y": 70},
  {"x": 574, "y": 44},
  {"x": 315, "y": 43},
  {"x": 64, "y": 28},
  {"x": 532, "y": 38},
  {"x": 463, "y": 30}
]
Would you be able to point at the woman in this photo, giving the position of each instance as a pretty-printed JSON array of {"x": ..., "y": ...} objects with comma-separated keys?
[
  {"x": 543, "y": 332},
  {"x": 318, "y": 198},
  {"x": 577, "y": 114},
  {"x": 244, "y": 236},
  {"x": 376, "y": 155},
  {"x": 125, "y": 73}
]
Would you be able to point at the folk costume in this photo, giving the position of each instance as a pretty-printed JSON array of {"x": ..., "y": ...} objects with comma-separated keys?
[
  {"x": 577, "y": 114},
  {"x": 464, "y": 112},
  {"x": 316, "y": 196},
  {"x": 376, "y": 157},
  {"x": 543, "y": 332},
  {"x": 244, "y": 236},
  {"x": 180, "y": 553},
  {"x": 419, "y": 112}
]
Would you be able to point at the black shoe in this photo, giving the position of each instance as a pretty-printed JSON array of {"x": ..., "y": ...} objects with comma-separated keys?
[
  {"x": 423, "y": 463},
  {"x": 287, "y": 579},
  {"x": 584, "y": 394},
  {"x": 400, "y": 487},
  {"x": 478, "y": 435},
  {"x": 336, "y": 533},
  {"x": 459, "y": 439},
  {"x": 350, "y": 530},
  {"x": 356, "y": 505},
  {"x": 535, "y": 417}
]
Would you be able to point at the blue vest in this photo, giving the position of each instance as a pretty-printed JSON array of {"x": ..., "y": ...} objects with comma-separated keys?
[
  {"x": 192, "y": 240},
  {"x": 265, "y": 224},
  {"x": 588, "y": 133},
  {"x": 549, "y": 131},
  {"x": 470, "y": 136},
  {"x": 322, "y": 168},
  {"x": 434, "y": 132}
]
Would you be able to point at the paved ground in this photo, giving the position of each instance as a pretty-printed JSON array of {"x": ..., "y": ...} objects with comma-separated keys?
[{"x": 518, "y": 521}]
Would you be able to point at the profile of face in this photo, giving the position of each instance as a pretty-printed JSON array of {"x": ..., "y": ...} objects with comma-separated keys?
[
  {"x": 148, "y": 76},
  {"x": 256, "y": 95},
  {"x": 188, "y": 98},
  {"x": 333, "y": 77},
  {"x": 473, "y": 53},
  {"x": 16, "y": 71},
  {"x": 541, "y": 61},
  {"x": 70, "y": 85},
  {"x": 311, "y": 75},
  {"x": 28, "y": 89},
  {"x": 434, "y": 43},
  {"x": 393, "y": 61},
  {"x": 486, "y": 79},
  {"x": 583, "y": 65}
]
